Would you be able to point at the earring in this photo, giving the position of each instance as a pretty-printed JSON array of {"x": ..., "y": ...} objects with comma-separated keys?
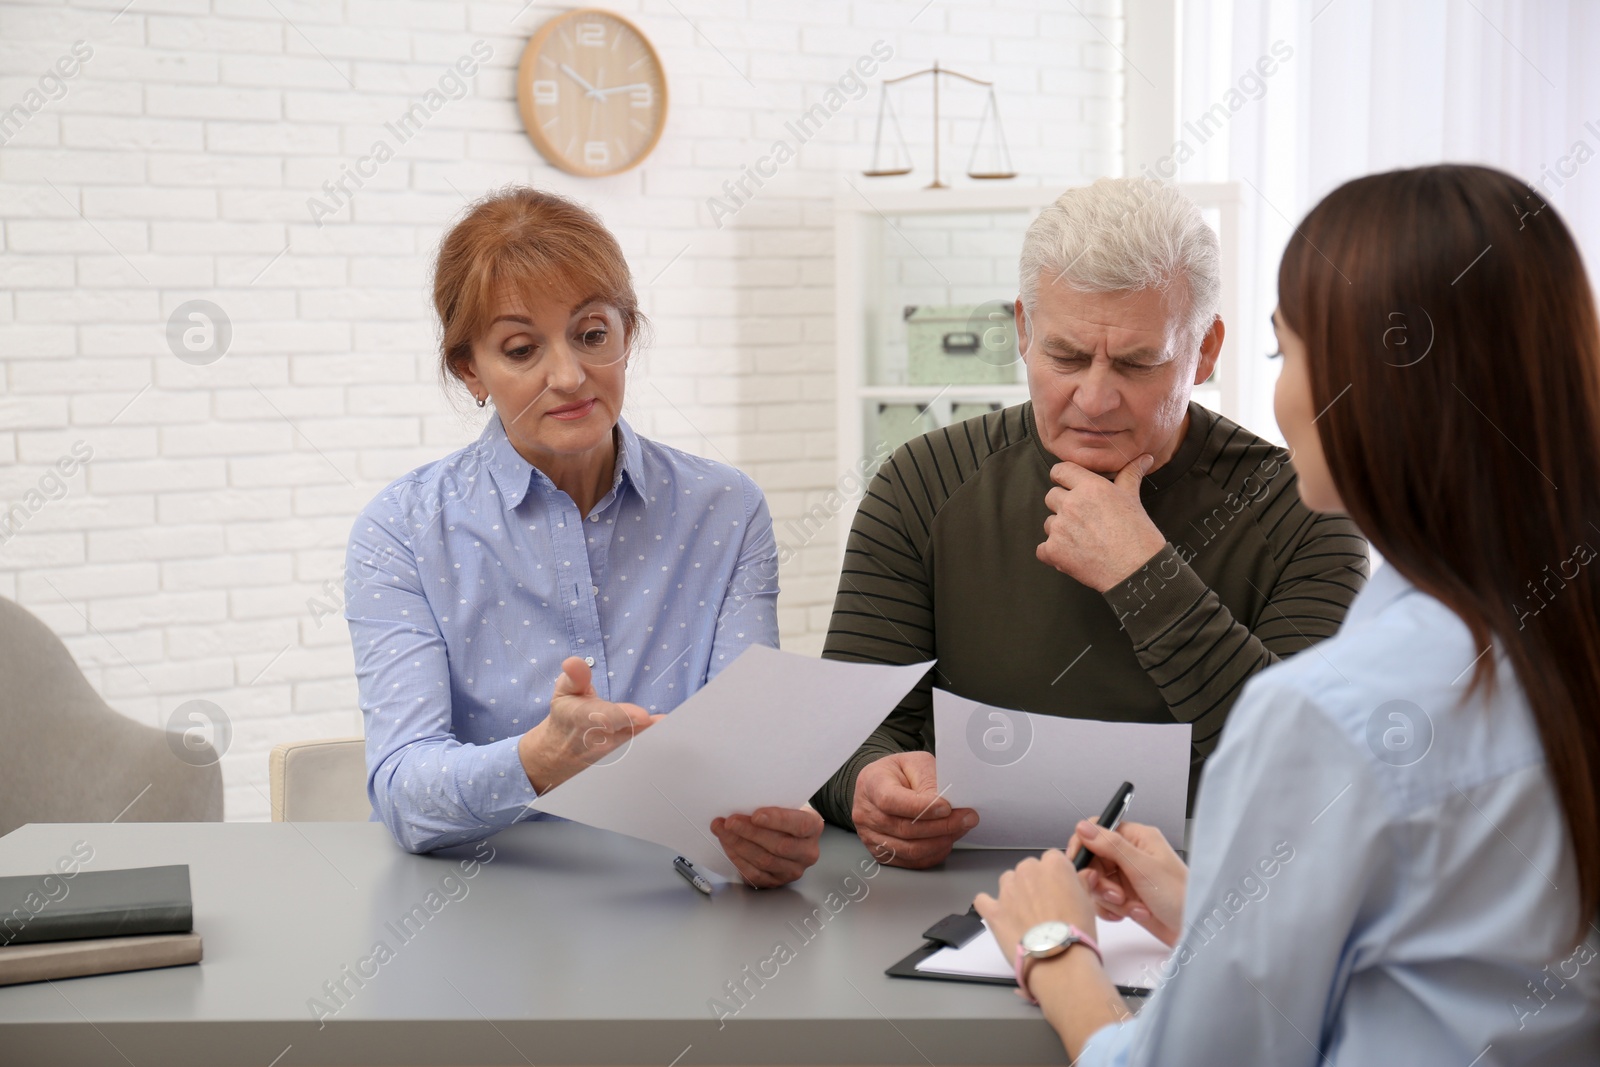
[{"x": 482, "y": 400}]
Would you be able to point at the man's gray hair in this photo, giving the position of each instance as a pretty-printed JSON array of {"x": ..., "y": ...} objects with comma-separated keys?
[{"x": 1123, "y": 234}]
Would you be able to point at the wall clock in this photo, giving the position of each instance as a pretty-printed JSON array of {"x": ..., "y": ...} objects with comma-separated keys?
[{"x": 592, "y": 93}]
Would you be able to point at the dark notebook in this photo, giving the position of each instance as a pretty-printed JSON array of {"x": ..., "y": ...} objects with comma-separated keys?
[{"x": 56, "y": 907}]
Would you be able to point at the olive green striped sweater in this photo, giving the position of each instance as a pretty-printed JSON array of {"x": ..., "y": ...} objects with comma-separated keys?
[{"x": 940, "y": 564}]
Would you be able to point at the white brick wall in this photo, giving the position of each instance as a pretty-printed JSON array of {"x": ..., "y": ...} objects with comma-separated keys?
[{"x": 188, "y": 557}]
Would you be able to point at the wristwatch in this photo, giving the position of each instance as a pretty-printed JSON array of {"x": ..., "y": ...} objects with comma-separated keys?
[{"x": 1043, "y": 941}]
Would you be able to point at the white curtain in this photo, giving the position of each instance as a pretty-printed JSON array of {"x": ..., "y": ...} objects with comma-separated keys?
[{"x": 1371, "y": 85}]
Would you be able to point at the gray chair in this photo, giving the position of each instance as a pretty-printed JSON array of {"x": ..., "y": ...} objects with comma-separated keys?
[
  {"x": 68, "y": 756},
  {"x": 323, "y": 780}
]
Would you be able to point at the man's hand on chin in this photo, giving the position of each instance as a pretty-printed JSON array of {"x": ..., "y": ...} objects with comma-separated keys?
[{"x": 1098, "y": 532}]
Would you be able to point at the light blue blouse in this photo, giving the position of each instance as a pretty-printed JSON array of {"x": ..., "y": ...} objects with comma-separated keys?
[
  {"x": 1382, "y": 875},
  {"x": 469, "y": 580}
]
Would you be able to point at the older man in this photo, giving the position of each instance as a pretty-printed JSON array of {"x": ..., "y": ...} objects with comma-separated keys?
[{"x": 1108, "y": 550}]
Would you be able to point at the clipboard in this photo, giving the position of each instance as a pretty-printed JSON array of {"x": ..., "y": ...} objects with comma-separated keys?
[{"x": 954, "y": 931}]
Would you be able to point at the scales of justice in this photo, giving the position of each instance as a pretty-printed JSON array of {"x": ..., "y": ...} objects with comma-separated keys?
[{"x": 998, "y": 156}]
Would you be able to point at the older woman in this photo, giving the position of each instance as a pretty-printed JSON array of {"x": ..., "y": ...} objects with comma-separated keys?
[{"x": 561, "y": 553}]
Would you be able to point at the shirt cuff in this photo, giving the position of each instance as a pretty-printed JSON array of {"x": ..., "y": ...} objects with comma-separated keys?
[
  {"x": 1109, "y": 1046},
  {"x": 1152, "y": 598},
  {"x": 500, "y": 785}
]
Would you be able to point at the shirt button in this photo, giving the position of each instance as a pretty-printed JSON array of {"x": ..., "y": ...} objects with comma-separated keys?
[
  {"x": 595, "y": 589},
  {"x": 589, "y": 660}
]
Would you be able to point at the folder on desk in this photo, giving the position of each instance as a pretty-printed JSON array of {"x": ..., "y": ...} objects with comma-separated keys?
[{"x": 959, "y": 948}]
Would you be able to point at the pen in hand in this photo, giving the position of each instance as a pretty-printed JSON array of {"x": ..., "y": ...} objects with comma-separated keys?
[{"x": 1110, "y": 819}]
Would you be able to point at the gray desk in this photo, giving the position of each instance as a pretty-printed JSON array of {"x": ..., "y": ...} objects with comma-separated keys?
[{"x": 569, "y": 946}]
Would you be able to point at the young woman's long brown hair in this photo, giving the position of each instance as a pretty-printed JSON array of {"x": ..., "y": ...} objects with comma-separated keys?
[{"x": 1454, "y": 354}]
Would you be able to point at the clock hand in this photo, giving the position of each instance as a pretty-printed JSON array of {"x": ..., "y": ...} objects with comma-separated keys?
[
  {"x": 602, "y": 93},
  {"x": 588, "y": 89}
]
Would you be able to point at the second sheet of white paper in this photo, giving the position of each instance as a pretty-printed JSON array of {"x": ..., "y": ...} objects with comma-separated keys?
[{"x": 1032, "y": 777}]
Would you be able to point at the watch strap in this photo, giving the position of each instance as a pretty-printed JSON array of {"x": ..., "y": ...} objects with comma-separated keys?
[{"x": 1075, "y": 936}]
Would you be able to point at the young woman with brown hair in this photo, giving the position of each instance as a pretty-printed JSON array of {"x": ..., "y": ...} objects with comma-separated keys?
[{"x": 1397, "y": 844}]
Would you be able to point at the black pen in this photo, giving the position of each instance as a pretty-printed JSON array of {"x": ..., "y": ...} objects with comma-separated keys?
[
  {"x": 692, "y": 876},
  {"x": 1110, "y": 819}
]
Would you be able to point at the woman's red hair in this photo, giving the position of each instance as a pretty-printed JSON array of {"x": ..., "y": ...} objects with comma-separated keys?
[{"x": 536, "y": 242}]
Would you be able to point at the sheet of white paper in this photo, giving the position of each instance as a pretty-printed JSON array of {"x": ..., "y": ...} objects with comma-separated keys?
[
  {"x": 1133, "y": 956},
  {"x": 1032, "y": 777},
  {"x": 768, "y": 730}
]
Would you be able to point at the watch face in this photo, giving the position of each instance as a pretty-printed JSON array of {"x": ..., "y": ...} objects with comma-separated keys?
[{"x": 1046, "y": 937}]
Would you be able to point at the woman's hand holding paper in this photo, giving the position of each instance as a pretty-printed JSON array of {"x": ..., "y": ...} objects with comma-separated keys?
[{"x": 771, "y": 846}]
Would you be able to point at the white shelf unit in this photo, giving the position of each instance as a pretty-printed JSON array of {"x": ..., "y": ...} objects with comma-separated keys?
[{"x": 902, "y": 247}]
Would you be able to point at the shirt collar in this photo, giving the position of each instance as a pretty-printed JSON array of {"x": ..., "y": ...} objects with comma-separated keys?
[
  {"x": 1386, "y": 586},
  {"x": 514, "y": 476}
]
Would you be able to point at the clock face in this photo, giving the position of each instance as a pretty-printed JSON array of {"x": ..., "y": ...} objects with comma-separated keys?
[{"x": 592, "y": 93}]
